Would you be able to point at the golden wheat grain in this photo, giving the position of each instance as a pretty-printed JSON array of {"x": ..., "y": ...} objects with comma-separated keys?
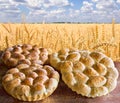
[
  {"x": 94, "y": 37},
  {"x": 17, "y": 34},
  {"x": 42, "y": 41},
  {"x": 56, "y": 45},
  {"x": 96, "y": 32},
  {"x": 27, "y": 31},
  {"x": 103, "y": 32},
  {"x": 104, "y": 44},
  {"x": 31, "y": 38},
  {"x": 113, "y": 28},
  {"x": 7, "y": 42},
  {"x": 81, "y": 44},
  {"x": 58, "y": 36},
  {"x": 88, "y": 37},
  {"x": 9, "y": 31}
]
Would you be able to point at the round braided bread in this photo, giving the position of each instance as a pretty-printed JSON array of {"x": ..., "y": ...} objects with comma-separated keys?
[
  {"x": 90, "y": 74},
  {"x": 30, "y": 82},
  {"x": 24, "y": 54}
]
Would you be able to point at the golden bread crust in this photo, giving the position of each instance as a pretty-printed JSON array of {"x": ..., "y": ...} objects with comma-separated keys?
[
  {"x": 25, "y": 53},
  {"x": 30, "y": 82},
  {"x": 62, "y": 55},
  {"x": 90, "y": 74}
]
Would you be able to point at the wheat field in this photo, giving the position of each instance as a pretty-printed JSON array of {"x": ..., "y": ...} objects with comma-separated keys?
[{"x": 99, "y": 37}]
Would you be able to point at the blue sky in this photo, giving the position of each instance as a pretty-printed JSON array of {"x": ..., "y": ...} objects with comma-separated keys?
[{"x": 59, "y": 10}]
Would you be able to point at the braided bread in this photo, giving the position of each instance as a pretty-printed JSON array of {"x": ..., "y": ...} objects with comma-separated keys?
[
  {"x": 90, "y": 74},
  {"x": 62, "y": 55},
  {"x": 30, "y": 82},
  {"x": 25, "y": 53}
]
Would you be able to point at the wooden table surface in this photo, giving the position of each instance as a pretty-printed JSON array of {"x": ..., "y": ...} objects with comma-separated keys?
[{"x": 64, "y": 95}]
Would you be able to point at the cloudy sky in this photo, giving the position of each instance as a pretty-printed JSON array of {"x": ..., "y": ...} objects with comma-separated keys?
[{"x": 59, "y": 10}]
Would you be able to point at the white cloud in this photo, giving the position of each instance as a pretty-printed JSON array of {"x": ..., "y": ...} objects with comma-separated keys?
[
  {"x": 42, "y": 10},
  {"x": 51, "y": 15},
  {"x": 60, "y": 10},
  {"x": 38, "y": 12},
  {"x": 118, "y": 1},
  {"x": 8, "y": 11},
  {"x": 74, "y": 13},
  {"x": 107, "y": 10},
  {"x": 59, "y": 3},
  {"x": 109, "y": 5},
  {"x": 95, "y": 0},
  {"x": 17, "y": 1},
  {"x": 4, "y": 1},
  {"x": 98, "y": 11},
  {"x": 4, "y": 7},
  {"x": 42, "y": 3},
  {"x": 87, "y": 7},
  {"x": 7, "y": 5},
  {"x": 34, "y": 3}
]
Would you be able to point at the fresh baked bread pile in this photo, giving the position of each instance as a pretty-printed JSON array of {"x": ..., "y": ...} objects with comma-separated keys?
[
  {"x": 28, "y": 77},
  {"x": 91, "y": 74},
  {"x": 24, "y": 54}
]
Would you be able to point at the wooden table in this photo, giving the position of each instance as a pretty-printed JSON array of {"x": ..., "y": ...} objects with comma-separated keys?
[{"x": 64, "y": 95}]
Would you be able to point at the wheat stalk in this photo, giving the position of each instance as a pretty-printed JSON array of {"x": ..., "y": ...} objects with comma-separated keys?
[
  {"x": 104, "y": 44},
  {"x": 6, "y": 41},
  {"x": 27, "y": 31},
  {"x": 42, "y": 41},
  {"x": 17, "y": 34},
  {"x": 113, "y": 28},
  {"x": 96, "y": 31},
  {"x": 88, "y": 38},
  {"x": 103, "y": 33},
  {"x": 31, "y": 38},
  {"x": 94, "y": 37},
  {"x": 9, "y": 31},
  {"x": 73, "y": 39},
  {"x": 56, "y": 44},
  {"x": 64, "y": 35}
]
